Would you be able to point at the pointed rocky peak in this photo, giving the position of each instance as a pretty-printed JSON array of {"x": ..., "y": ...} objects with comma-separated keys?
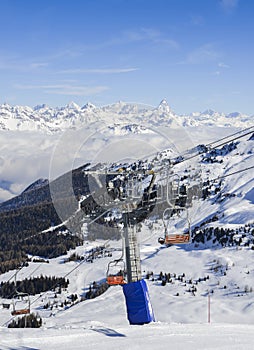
[
  {"x": 164, "y": 106},
  {"x": 72, "y": 105},
  {"x": 5, "y": 106},
  {"x": 39, "y": 107},
  {"x": 119, "y": 103},
  {"x": 117, "y": 106},
  {"x": 88, "y": 106},
  {"x": 234, "y": 115},
  {"x": 208, "y": 112}
]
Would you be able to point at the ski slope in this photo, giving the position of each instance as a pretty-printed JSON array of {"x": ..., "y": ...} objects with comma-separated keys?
[
  {"x": 181, "y": 320},
  {"x": 101, "y": 336}
]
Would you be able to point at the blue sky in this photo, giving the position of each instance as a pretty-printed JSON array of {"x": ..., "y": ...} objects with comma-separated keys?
[{"x": 197, "y": 54}]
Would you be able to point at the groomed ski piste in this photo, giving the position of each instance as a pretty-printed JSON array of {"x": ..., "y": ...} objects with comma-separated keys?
[
  {"x": 181, "y": 316},
  {"x": 208, "y": 303}
]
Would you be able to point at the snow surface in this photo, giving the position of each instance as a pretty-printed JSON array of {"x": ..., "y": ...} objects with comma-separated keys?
[
  {"x": 181, "y": 315},
  {"x": 181, "y": 321},
  {"x": 97, "y": 335},
  {"x": 47, "y": 119}
]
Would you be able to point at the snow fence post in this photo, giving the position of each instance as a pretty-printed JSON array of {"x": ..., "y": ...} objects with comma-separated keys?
[{"x": 138, "y": 304}]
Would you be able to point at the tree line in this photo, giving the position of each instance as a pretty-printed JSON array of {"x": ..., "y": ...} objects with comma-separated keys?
[
  {"x": 24, "y": 218},
  {"x": 33, "y": 286},
  {"x": 27, "y": 321}
]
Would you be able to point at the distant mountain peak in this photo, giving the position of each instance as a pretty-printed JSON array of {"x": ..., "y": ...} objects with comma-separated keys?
[
  {"x": 6, "y": 105},
  {"x": 89, "y": 106},
  {"x": 164, "y": 106},
  {"x": 208, "y": 112},
  {"x": 43, "y": 118},
  {"x": 234, "y": 115},
  {"x": 38, "y": 107},
  {"x": 72, "y": 105}
]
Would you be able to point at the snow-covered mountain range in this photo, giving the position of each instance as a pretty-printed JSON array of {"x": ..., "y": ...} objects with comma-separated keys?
[{"x": 47, "y": 119}]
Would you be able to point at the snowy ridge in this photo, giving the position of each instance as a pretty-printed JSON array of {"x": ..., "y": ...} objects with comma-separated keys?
[{"x": 47, "y": 119}]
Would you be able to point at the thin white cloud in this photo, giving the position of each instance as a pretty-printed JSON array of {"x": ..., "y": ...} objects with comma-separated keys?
[
  {"x": 229, "y": 5},
  {"x": 236, "y": 92},
  {"x": 151, "y": 35},
  {"x": 11, "y": 61},
  {"x": 36, "y": 65},
  {"x": 170, "y": 43},
  {"x": 142, "y": 35},
  {"x": 223, "y": 65},
  {"x": 65, "y": 89},
  {"x": 99, "y": 70},
  {"x": 76, "y": 90},
  {"x": 22, "y": 66},
  {"x": 197, "y": 20},
  {"x": 203, "y": 54}
]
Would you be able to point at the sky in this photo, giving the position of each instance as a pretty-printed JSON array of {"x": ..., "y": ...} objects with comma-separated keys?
[{"x": 197, "y": 54}]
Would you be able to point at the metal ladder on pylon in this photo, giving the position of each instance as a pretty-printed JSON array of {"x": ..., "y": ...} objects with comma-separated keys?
[
  {"x": 132, "y": 254},
  {"x": 135, "y": 264}
]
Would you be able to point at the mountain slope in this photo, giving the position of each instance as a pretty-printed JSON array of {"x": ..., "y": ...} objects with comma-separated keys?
[
  {"x": 217, "y": 263},
  {"x": 225, "y": 206}
]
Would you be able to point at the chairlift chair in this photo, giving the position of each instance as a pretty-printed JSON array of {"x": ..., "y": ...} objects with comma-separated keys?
[
  {"x": 20, "y": 301},
  {"x": 116, "y": 273},
  {"x": 178, "y": 238},
  {"x": 174, "y": 238},
  {"x": 21, "y": 304},
  {"x": 6, "y": 305}
]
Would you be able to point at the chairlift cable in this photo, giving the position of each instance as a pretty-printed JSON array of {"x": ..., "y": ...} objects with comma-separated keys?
[
  {"x": 233, "y": 173},
  {"x": 224, "y": 138},
  {"x": 214, "y": 147}
]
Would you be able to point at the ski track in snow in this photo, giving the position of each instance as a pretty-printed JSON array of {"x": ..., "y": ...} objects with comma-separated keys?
[{"x": 157, "y": 335}]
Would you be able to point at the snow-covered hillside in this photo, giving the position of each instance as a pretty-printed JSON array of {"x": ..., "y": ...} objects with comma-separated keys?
[
  {"x": 180, "y": 307},
  {"x": 217, "y": 265}
]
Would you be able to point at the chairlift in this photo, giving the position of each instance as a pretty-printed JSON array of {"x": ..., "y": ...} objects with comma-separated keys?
[
  {"x": 6, "y": 305},
  {"x": 172, "y": 188},
  {"x": 21, "y": 301},
  {"x": 178, "y": 238},
  {"x": 174, "y": 238},
  {"x": 116, "y": 273},
  {"x": 21, "y": 304}
]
